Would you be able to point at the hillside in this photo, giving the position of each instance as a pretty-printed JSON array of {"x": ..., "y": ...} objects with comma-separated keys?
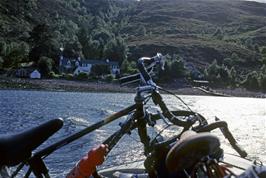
[
  {"x": 233, "y": 33},
  {"x": 199, "y": 30},
  {"x": 186, "y": 27}
]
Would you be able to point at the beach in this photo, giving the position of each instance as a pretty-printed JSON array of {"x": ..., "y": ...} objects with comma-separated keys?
[{"x": 114, "y": 86}]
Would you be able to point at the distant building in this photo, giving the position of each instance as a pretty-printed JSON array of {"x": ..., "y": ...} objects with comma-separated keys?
[
  {"x": 77, "y": 66},
  {"x": 35, "y": 74},
  {"x": 27, "y": 72},
  {"x": 23, "y": 72},
  {"x": 194, "y": 72},
  {"x": 201, "y": 83},
  {"x": 81, "y": 69},
  {"x": 66, "y": 65}
]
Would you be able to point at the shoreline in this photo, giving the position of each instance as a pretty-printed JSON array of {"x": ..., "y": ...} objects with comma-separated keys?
[{"x": 62, "y": 85}]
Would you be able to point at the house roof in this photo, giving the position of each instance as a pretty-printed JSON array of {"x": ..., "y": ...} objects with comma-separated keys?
[
  {"x": 64, "y": 61},
  {"x": 100, "y": 62},
  {"x": 35, "y": 71},
  {"x": 83, "y": 69}
]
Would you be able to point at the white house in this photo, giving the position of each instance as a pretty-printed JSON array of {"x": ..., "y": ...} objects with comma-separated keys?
[
  {"x": 82, "y": 69},
  {"x": 35, "y": 74},
  {"x": 113, "y": 65},
  {"x": 78, "y": 66}
]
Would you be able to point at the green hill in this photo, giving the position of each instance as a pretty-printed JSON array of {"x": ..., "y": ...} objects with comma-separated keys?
[{"x": 200, "y": 31}]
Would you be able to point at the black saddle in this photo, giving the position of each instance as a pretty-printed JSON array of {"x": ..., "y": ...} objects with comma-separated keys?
[
  {"x": 190, "y": 149},
  {"x": 17, "y": 148}
]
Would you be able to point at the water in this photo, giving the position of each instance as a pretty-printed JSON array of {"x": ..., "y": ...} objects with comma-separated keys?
[{"x": 20, "y": 110}]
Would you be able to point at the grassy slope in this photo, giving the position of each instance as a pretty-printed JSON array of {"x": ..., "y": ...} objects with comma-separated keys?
[
  {"x": 16, "y": 23},
  {"x": 172, "y": 26},
  {"x": 187, "y": 27}
]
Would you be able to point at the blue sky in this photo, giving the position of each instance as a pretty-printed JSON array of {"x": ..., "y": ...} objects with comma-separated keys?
[{"x": 259, "y": 0}]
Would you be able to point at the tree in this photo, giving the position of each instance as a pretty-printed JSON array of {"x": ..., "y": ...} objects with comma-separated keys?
[
  {"x": 251, "y": 81},
  {"x": 177, "y": 68},
  {"x": 125, "y": 66},
  {"x": 45, "y": 65},
  {"x": 3, "y": 47},
  {"x": 43, "y": 42},
  {"x": 165, "y": 75},
  {"x": 218, "y": 34},
  {"x": 83, "y": 36},
  {"x": 212, "y": 71},
  {"x": 142, "y": 30},
  {"x": 262, "y": 82},
  {"x": 228, "y": 62},
  {"x": 14, "y": 53},
  {"x": 1, "y": 62},
  {"x": 73, "y": 50},
  {"x": 249, "y": 44},
  {"x": 263, "y": 55},
  {"x": 236, "y": 59},
  {"x": 102, "y": 34},
  {"x": 100, "y": 70},
  {"x": 92, "y": 49},
  {"x": 256, "y": 48},
  {"x": 116, "y": 49},
  {"x": 232, "y": 76},
  {"x": 263, "y": 69},
  {"x": 224, "y": 74}
]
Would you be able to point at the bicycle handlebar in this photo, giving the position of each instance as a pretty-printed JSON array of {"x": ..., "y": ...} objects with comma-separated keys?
[
  {"x": 132, "y": 78},
  {"x": 144, "y": 74},
  {"x": 142, "y": 69},
  {"x": 157, "y": 99}
]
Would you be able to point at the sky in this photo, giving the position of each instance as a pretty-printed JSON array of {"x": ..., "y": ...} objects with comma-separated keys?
[
  {"x": 264, "y": 1},
  {"x": 259, "y": 0}
]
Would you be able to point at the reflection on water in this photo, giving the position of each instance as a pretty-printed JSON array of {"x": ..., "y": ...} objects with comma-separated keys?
[{"x": 24, "y": 109}]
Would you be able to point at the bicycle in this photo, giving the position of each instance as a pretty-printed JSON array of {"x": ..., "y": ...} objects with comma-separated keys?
[{"x": 138, "y": 118}]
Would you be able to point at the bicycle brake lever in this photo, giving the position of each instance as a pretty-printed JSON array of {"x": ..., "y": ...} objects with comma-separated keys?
[
  {"x": 162, "y": 117},
  {"x": 147, "y": 117},
  {"x": 162, "y": 62}
]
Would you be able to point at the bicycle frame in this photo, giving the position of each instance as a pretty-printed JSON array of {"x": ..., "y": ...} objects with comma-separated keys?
[
  {"x": 137, "y": 120},
  {"x": 36, "y": 163}
]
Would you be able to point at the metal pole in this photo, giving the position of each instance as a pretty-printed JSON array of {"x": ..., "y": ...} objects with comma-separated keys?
[{"x": 52, "y": 148}]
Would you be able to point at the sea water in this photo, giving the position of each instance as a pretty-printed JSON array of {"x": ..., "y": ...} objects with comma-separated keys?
[{"x": 21, "y": 110}]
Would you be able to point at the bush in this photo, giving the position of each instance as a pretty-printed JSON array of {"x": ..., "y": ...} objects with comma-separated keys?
[
  {"x": 82, "y": 76},
  {"x": 165, "y": 75},
  {"x": 212, "y": 71},
  {"x": 13, "y": 53},
  {"x": 45, "y": 65},
  {"x": 177, "y": 69},
  {"x": 220, "y": 75},
  {"x": 251, "y": 81},
  {"x": 109, "y": 78},
  {"x": 224, "y": 73},
  {"x": 262, "y": 82},
  {"x": 100, "y": 70},
  {"x": 228, "y": 62},
  {"x": 54, "y": 75},
  {"x": 69, "y": 76},
  {"x": 263, "y": 55},
  {"x": 128, "y": 67},
  {"x": 1, "y": 62},
  {"x": 232, "y": 76}
]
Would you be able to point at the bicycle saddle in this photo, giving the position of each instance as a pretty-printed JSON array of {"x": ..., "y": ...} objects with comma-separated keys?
[
  {"x": 190, "y": 149},
  {"x": 18, "y": 147}
]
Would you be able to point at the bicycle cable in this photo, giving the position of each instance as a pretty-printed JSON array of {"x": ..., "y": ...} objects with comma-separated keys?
[{"x": 180, "y": 99}]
